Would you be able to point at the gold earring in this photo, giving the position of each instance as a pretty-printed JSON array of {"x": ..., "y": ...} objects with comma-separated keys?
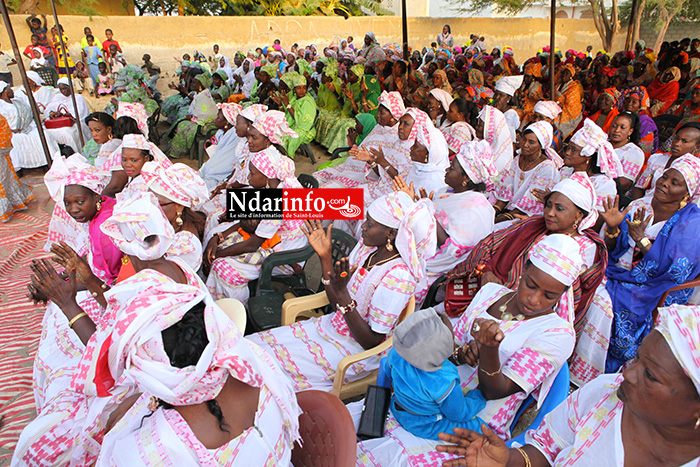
[
  {"x": 684, "y": 202},
  {"x": 110, "y": 136},
  {"x": 697, "y": 423},
  {"x": 98, "y": 204},
  {"x": 389, "y": 246},
  {"x": 426, "y": 159},
  {"x": 576, "y": 222},
  {"x": 179, "y": 220},
  {"x": 464, "y": 183}
]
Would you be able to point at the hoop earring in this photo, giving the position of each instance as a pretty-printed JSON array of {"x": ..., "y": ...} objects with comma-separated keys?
[
  {"x": 179, "y": 220},
  {"x": 98, "y": 204},
  {"x": 389, "y": 246},
  {"x": 110, "y": 136},
  {"x": 684, "y": 202},
  {"x": 464, "y": 183}
]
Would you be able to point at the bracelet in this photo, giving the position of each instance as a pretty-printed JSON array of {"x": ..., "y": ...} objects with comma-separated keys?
[
  {"x": 325, "y": 282},
  {"x": 500, "y": 366},
  {"x": 220, "y": 236},
  {"x": 348, "y": 308},
  {"x": 644, "y": 242},
  {"x": 76, "y": 318},
  {"x": 525, "y": 456},
  {"x": 372, "y": 164},
  {"x": 609, "y": 235}
]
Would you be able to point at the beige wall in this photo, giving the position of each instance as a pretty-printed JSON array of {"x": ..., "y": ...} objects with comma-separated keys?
[{"x": 164, "y": 37}]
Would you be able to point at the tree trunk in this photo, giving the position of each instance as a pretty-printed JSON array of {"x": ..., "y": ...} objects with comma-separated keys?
[
  {"x": 666, "y": 16},
  {"x": 638, "y": 21},
  {"x": 28, "y": 7},
  {"x": 606, "y": 27}
]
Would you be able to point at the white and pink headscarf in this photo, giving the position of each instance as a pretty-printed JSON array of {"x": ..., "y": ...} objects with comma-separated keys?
[
  {"x": 393, "y": 102},
  {"x": 545, "y": 133},
  {"x": 416, "y": 236},
  {"x": 178, "y": 183},
  {"x": 252, "y": 112},
  {"x": 680, "y": 326},
  {"x": 689, "y": 167},
  {"x": 135, "y": 110},
  {"x": 73, "y": 170},
  {"x": 136, "y": 351},
  {"x": 135, "y": 219},
  {"x": 549, "y": 109},
  {"x": 497, "y": 133},
  {"x": 230, "y": 111},
  {"x": 579, "y": 189},
  {"x": 132, "y": 141},
  {"x": 593, "y": 139},
  {"x": 476, "y": 158},
  {"x": 443, "y": 97},
  {"x": 420, "y": 121},
  {"x": 274, "y": 165},
  {"x": 273, "y": 124}
]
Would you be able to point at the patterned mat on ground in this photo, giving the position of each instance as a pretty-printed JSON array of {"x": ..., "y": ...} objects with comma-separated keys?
[{"x": 21, "y": 240}]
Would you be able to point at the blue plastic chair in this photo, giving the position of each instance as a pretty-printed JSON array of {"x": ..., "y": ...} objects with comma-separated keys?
[
  {"x": 556, "y": 395},
  {"x": 382, "y": 379}
]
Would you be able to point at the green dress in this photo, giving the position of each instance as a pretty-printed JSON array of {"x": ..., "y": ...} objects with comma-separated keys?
[
  {"x": 222, "y": 93},
  {"x": 302, "y": 123},
  {"x": 329, "y": 105},
  {"x": 337, "y": 136}
]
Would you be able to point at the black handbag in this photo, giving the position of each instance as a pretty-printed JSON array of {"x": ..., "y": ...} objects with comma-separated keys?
[{"x": 374, "y": 412}]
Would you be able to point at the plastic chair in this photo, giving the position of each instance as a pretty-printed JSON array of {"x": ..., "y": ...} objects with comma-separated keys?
[
  {"x": 295, "y": 307},
  {"x": 429, "y": 300},
  {"x": 307, "y": 181},
  {"x": 686, "y": 285},
  {"x": 235, "y": 310},
  {"x": 265, "y": 306},
  {"x": 308, "y": 152},
  {"x": 327, "y": 432},
  {"x": 153, "y": 126},
  {"x": 48, "y": 74},
  {"x": 336, "y": 154},
  {"x": 556, "y": 395},
  {"x": 197, "y": 148}
]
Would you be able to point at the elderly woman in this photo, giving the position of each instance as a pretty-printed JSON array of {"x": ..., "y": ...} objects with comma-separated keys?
[
  {"x": 368, "y": 290},
  {"x": 622, "y": 418},
  {"x": 663, "y": 90},
  {"x": 26, "y": 151},
  {"x": 235, "y": 252},
  {"x": 512, "y": 342},
  {"x": 536, "y": 167},
  {"x": 62, "y": 105},
  {"x": 371, "y": 51},
  {"x": 205, "y": 387},
  {"x": 649, "y": 254},
  {"x": 569, "y": 95},
  {"x": 71, "y": 424},
  {"x": 492, "y": 126}
]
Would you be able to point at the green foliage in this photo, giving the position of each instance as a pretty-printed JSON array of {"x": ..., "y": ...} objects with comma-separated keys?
[
  {"x": 690, "y": 11},
  {"x": 260, "y": 7},
  {"x": 508, "y": 7}
]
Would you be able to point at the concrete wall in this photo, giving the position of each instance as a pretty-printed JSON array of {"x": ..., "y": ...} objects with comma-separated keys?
[
  {"x": 675, "y": 32},
  {"x": 164, "y": 37},
  {"x": 103, "y": 7}
]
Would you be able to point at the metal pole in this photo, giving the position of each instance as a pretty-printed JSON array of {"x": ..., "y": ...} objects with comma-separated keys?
[
  {"x": 25, "y": 81},
  {"x": 552, "y": 33},
  {"x": 70, "y": 78},
  {"x": 404, "y": 26}
]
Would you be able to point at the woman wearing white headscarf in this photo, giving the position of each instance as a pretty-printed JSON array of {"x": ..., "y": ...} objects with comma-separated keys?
[
  {"x": 27, "y": 151},
  {"x": 492, "y": 127},
  {"x": 71, "y": 425},
  {"x": 191, "y": 361},
  {"x": 42, "y": 94},
  {"x": 429, "y": 156},
  {"x": 370, "y": 289},
  {"x": 521, "y": 343},
  {"x": 243, "y": 82},
  {"x": 222, "y": 154},
  {"x": 600, "y": 424},
  {"x": 62, "y": 104},
  {"x": 235, "y": 252}
]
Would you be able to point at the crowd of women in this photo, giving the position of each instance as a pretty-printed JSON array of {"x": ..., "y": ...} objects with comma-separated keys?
[{"x": 573, "y": 215}]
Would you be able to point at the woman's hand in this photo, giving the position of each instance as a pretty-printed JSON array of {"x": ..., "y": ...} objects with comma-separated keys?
[
  {"x": 611, "y": 212},
  {"x": 219, "y": 188},
  {"x": 35, "y": 296},
  {"x": 341, "y": 276},
  {"x": 540, "y": 195},
  {"x": 69, "y": 259},
  {"x": 46, "y": 281},
  {"x": 424, "y": 194},
  {"x": 378, "y": 154},
  {"x": 489, "y": 276},
  {"x": 361, "y": 154},
  {"x": 210, "y": 251},
  {"x": 319, "y": 239},
  {"x": 285, "y": 99},
  {"x": 470, "y": 353},
  {"x": 487, "y": 450},
  {"x": 276, "y": 98},
  {"x": 486, "y": 332},
  {"x": 399, "y": 184},
  {"x": 637, "y": 227},
  {"x": 347, "y": 92}
]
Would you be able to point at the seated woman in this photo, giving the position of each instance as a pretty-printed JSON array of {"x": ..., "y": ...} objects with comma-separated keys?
[
  {"x": 636, "y": 100},
  {"x": 369, "y": 290},
  {"x": 222, "y": 153},
  {"x": 71, "y": 425},
  {"x": 589, "y": 151},
  {"x": 136, "y": 150},
  {"x": 103, "y": 143},
  {"x": 353, "y": 172},
  {"x": 220, "y": 91},
  {"x": 329, "y": 103},
  {"x": 418, "y": 90},
  {"x": 75, "y": 186},
  {"x": 300, "y": 114},
  {"x": 607, "y": 109},
  {"x": 27, "y": 151},
  {"x": 200, "y": 113},
  {"x": 505, "y": 89},
  {"x": 437, "y": 106},
  {"x": 686, "y": 140},
  {"x": 512, "y": 344},
  {"x": 569, "y": 94},
  {"x": 620, "y": 418},
  {"x": 624, "y": 137},
  {"x": 130, "y": 86},
  {"x": 209, "y": 395},
  {"x": 530, "y": 92},
  {"x": 549, "y": 112},
  {"x": 235, "y": 252},
  {"x": 429, "y": 156},
  {"x": 491, "y": 126},
  {"x": 459, "y": 130},
  {"x": 649, "y": 254},
  {"x": 175, "y": 107},
  {"x": 535, "y": 167},
  {"x": 62, "y": 105},
  {"x": 663, "y": 90}
]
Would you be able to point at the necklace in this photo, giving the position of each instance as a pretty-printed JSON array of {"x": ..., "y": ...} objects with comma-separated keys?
[
  {"x": 529, "y": 167},
  {"x": 507, "y": 316},
  {"x": 369, "y": 267}
]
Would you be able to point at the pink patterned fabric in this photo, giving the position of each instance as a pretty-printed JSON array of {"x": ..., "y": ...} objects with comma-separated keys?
[
  {"x": 559, "y": 256},
  {"x": 689, "y": 167},
  {"x": 273, "y": 164},
  {"x": 137, "y": 111},
  {"x": 73, "y": 170},
  {"x": 476, "y": 158},
  {"x": 393, "y": 102},
  {"x": 680, "y": 326},
  {"x": 252, "y": 112},
  {"x": 136, "y": 142},
  {"x": 178, "y": 183},
  {"x": 593, "y": 139},
  {"x": 549, "y": 109},
  {"x": 457, "y": 134},
  {"x": 496, "y": 132},
  {"x": 230, "y": 111},
  {"x": 273, "y": 125},
  {"x": 545, "y": 134},
  {"x": 579, "y": 189},
  {"x": 420, "y": 121}
]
